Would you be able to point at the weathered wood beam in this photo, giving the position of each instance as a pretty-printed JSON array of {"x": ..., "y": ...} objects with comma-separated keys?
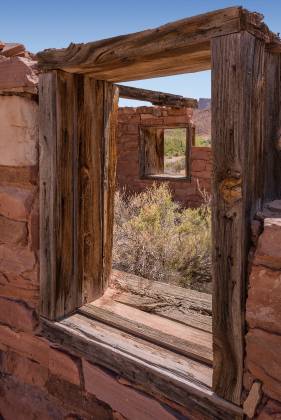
[
  {"x": 156, "y": 98},
  {"x": 178, "y": 47},
  {"x": 237, "y": 143}
]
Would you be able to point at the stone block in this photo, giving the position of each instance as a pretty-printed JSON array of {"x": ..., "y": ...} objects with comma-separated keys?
[
  {"x": 263, "y": 360},
  {"x": 18, "y": 72},
  {"x": 64, "y": 366},
  {"x": 268, "y": 251},
  {"x": 271, "y": 411},
  {"x": 19, "y": 176},
  {"x": 16, "y": 260},
  {"x": 264, "y": 297},
  {"x": 12, "y": 232},
  {"x": 18, "y": 131},
  {"x": 18, "y": 287},
  {"x": 15, "y": 202},
  {"x": 28, "y": 371},
  {"x": 17, "y": 315},
  {"x": 123, "y": 399}
]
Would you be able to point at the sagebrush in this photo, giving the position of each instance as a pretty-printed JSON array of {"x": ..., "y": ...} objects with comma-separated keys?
[{"x": 157, "y": 239}]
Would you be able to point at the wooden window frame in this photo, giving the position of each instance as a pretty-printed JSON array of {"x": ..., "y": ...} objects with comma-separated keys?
[
  {"x": 190, "y": 138},
  {"x": 240, "y": 51}
]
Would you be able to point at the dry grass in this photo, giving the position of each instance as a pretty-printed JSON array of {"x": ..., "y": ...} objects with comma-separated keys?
[{"x": 156, "y": 239}]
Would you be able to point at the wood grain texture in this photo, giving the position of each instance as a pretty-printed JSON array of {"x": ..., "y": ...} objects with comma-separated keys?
[
  {"x": 185, "y": 306},
  {"x": 97, "y": 167},
  {"x": 155, "y": 370},
  {"x": 156, "y": 98},
  {"x": 237, "y": 140},
  {"x": 151, "y": 150},
  {"x": 178, "y": 47},
  {"x": 57, "y": 225},
  {"x": 77, "y": 177},
  {"x": 181, "y": 339},
  {"x": 272, "y": 126}
]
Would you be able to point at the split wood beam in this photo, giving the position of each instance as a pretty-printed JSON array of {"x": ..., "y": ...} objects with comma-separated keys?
[
  {"x": 178, "y": 47},
  {"x": 156, "y": 98}
]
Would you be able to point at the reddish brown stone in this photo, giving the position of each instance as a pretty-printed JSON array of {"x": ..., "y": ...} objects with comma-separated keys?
[
  {"x": 264, "y": 360},
  {"x": 17, "y": 72},
  {"x": 272, "y": 411},
  {"x": 64, "y": 366},
  {"x": 26, "y": 370},
  {"x": 268, "y": 250},
  {"x": 33, "y": 226},
  {"x": 19, "y": 176},
  {"x": 263, "y": 304},
  {"x": 127, "y": 401},
  {"x": 25, "y": 344},
  {"x": 18, "y": 287},
  {"x": 15, "y": 203},
  {"x": 17, "y": 315},
  {"x": 12, "y": 232},
  {"x": 16, "y": 260}
]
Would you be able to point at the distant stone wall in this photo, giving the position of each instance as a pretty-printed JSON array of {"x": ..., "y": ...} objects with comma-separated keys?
[
  {"x": 263, "y": 341},
  {"x": 128, "y": 164}
]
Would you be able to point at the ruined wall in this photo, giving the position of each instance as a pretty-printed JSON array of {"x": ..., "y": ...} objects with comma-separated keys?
[
  {"x": 128, "y": 166},
  {"x": 38, "y": 380},
  {"x": 263, "y": 315}
]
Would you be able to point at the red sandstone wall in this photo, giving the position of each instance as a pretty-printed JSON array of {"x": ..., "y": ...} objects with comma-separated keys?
[
  {"x": 263, "y": 340},
  {"x": 129, "y": 121},
  {"x": 38, "y": 380}
]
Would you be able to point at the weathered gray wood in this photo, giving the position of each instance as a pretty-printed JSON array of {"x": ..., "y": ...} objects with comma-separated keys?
[
  {"x": 155, "y": 370},
  {"x": 156, "y": 98},
  {"x": 178, "y": 47},
  {"x": 237, "y": 141},
  {"x": 97, "y": 166},
  {"x": 272, "y": 126},
  {"x": 58, "y": 113},
  {"x": 187, "y": 345}
]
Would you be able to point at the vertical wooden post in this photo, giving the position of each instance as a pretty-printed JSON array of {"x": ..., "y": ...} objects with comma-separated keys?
[
  {"x": 152, "y": 150},
  {"x": 58, "y": 151},
  {"x": 77, "y": 174},
  {"x": 272, "y": 126},
  {"x": 97, "y": 167},
  {"x": 237, "y": 140}
]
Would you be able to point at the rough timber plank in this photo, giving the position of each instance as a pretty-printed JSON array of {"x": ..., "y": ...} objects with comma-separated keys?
[
  {"x": 97, "y": 163},
  {"x": 178, "y": 47},
  {"x": 182, "y": 339},
  {"x": 171, "y": 302},
  {"x": 156, "y": 98},
  {"x": 57, "y": 150},
  {"x": 237, "y": 141},
  {"x": 272, "y": 126},
  {"x": 77, "y": 174},
  {"x": 155, "y": 370}
]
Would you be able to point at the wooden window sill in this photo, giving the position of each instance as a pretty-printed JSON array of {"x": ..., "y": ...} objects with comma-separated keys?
[
  {"x": 155, "y": 369},
  {"x": 164, "y": 352},
  {"x": 167, "y": 177}
]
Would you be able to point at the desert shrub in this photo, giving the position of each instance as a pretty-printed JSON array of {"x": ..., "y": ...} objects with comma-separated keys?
[
  {"x": 175, "y": 166},
  {"x": 156, "y": 239},
  {"x": 175, "y": 142}
]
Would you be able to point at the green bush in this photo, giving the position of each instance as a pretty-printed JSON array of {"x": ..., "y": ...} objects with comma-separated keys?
[{"x": 156, "y": 239}]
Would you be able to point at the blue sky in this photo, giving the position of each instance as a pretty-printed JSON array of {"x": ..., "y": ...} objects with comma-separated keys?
[{"x": 54, "y": 24}]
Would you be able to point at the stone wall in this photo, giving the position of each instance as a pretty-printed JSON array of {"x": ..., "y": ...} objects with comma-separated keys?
[
  {"x": 38, "y": 380},
  {"x": 128, "y": 166},
  {"x": 263, "y": 340}
]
